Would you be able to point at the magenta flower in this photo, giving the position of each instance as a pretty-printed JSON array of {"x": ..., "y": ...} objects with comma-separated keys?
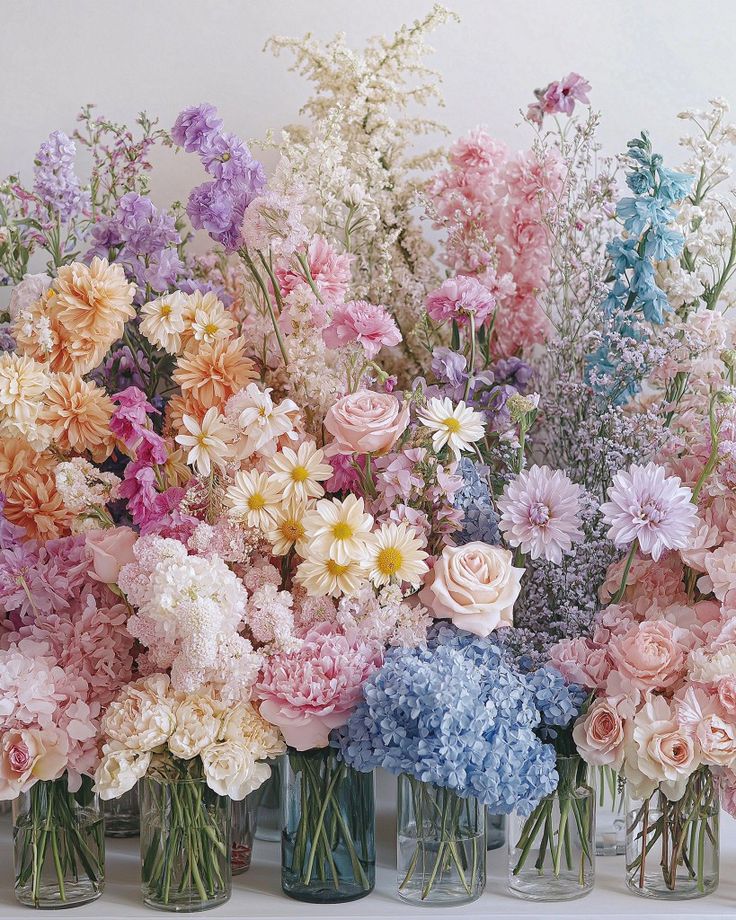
[
  {"x": 360, "y": 321},
  {"x": 458, "y": 298},
  {"x": 647, "y": 505},
  {"x": 540, "y": 512},
  {"x": 309, "y": 692}
]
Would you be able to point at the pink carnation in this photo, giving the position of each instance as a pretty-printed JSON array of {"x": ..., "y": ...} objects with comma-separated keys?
[
  {"x": 330, "y": 272},
  {"x": 363, "y": 322},
  {"x": 459, "y": 298},
  {"x": 311, "y": 691}
]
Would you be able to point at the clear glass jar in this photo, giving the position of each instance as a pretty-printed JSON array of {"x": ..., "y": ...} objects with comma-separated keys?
[
  {"x": 185, "y": 845},
  {"x": 552, "y": 850},
  {"x": 610, "y": 811},
  {"x": 267, "y": 803},
  {"x": 59, "y": 845},
  {"x": 328, "y": 842},
  {"x": 672, "y": 848},
  {"x": 122, "y": 815},
  {"x": 495, "y": 831},
  {"x": 241, "y": 842},
  {"x": 441, "y": 845}
]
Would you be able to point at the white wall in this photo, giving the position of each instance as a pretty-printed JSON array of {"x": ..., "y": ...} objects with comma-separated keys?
[{"x": 646, "y": 59}]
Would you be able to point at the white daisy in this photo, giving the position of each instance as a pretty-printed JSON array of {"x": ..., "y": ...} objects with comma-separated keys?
[
  {"x": 208, "y": 442},
  {"x": 163, "y": 321},
  {"x": 395, "y": 554},
  {"x": 457, "y": 426},
  {"x": 287, "y": 528},
  {"x": 338, "y": 529},
  {"x": 299, "y": 472},
  {"x": 321, "y": 576},
  {"x": 206, "y": 319},
  {"x": 253, "y": 499}
]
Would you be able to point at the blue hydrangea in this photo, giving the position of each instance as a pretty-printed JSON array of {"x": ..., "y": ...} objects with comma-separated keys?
[
  {"x": 480, "y": 520},
  {"x": 456, "y": 714},
  {"x": 558, "y": 702}
]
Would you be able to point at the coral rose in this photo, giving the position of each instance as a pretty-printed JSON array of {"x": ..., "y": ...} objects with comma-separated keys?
[{"x": 475, "y": 586}]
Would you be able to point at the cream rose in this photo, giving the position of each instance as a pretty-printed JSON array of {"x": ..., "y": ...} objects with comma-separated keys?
[
  {"x": 230, "y": 769},
  {"x": 717, "y": 739},
  {"x": 475, "y": 586},
  {"x": 198, "y": 722},
  {"x": 142, "y": 717},
  {"x": 119, "y": 770},
  {"x": 365, "y": 423},
  {"x": 599, "y": 735},
  {"x": 658, "y": 751},
  {"x": 109, "y": 550}
]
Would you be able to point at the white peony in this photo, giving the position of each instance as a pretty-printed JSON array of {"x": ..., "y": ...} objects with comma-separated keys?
[
  {"x": 198, "y": 719},
  {"x": 119, "y": 770},
  {"x": 231, "y": 770}
]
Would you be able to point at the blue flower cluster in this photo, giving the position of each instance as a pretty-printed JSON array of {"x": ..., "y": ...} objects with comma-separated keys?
[
  {"x": 558, "y": 702},
  {"x": 648, "y": 237},
  {"x": 473, "y": 498},
  {"x": 459, "y": 715}
]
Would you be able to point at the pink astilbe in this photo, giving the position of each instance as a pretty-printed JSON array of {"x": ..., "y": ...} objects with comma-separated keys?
[
  {"x": 309, "y": 692},
  {"x": 359, "y": 321}
]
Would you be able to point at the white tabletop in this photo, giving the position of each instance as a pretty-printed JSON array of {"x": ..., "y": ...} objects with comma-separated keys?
[{"x": 257, "y": 893}]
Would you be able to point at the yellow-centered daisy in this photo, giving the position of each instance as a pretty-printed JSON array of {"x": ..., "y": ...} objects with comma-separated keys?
[
  {"x": 338, "y": 529},
  {"x": 395, "y": 554},
  {"x": 323, "y": 576},
  {"x": 300, "y": 472},
  {"x": 457, "y": 426},
  {"x": 287, "y": 527},
  {"x": 253, "y": 499}
]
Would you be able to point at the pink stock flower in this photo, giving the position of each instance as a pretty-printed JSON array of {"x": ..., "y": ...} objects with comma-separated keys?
[
  {"x": 540, "y": 512},
  {"x": 311, "y": 691},
  {"x": 460, "y": 298},
  {"x": 647, "y": 505},
  {"x": 131, "y": 416},
  {"x": 363, "y": 322}
]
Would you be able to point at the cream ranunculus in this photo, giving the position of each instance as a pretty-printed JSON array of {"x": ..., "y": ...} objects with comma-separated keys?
[
  {"x": 198, "y": 721},
  {"x": 230, "y": 769},
  {"x": 119, "y": 770},
  {"x": 141, "y": 718},
  {"x": 475, "y": 586}
]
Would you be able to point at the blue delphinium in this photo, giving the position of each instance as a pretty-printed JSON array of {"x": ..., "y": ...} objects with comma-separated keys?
[
  {"x": 634, "y": 297},
  {"x": 457, "y": 714},
  {"x": 474, "y": 499}
]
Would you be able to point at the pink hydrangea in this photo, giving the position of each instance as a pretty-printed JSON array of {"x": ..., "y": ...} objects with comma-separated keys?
[
  {"x": 309, "y": 692},
  {"x": 460, "y": 298},
  {"x": 362, "y": 322}
]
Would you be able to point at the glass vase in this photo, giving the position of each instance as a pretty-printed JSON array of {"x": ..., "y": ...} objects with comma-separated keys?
[
  {"x": 185, "y": 845},
  {"x": 122, "y": 815},
  {"x": 59, "y": 845},
  {"x": 241, "y": 842},
  {"x": 552, "y": 850},
  {"x": 328, "y": 840},
  {"x": 441, "y": 845},
  {"x": 267, "y": 803},
  {"x": 495, "y": 831},
  {"x": 672, "y": 848},
  {"x": 610, "y": 811}
]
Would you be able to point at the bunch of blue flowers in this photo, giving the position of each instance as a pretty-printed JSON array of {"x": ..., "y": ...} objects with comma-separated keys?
[
  {"x": 459, "y": 715},
  {"x": 647, "y": 237}
]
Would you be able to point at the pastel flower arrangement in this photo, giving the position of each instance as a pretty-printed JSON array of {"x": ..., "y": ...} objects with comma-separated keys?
[{"x": 248, "y": 497}]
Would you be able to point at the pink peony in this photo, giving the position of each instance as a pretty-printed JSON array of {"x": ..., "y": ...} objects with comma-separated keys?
[
  {"x": 580, "y": 662},
  {"x": 309, "y": 692},
  {"x": 365, "y": 422},
  {"x": 108, "y": 551},
  {"x": 363, "y": 322},
  {"x": 650, "y": 655},
  {"x": 459, "y": 298},
  {"x": 647, "y": 505}
]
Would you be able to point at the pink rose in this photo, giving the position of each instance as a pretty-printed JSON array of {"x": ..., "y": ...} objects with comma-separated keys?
[
  {"x": 28, "y": 755},
  {"x": 599, "y": 735},
  {"x": 365, "y": 422},
  {"x": 649, "y": 655},
  {"x": 570, "y": 657},
  {"x": 475, "y": 586},
  {"x": 109, "y": 550},
  {"x": 659, "y": 751}
]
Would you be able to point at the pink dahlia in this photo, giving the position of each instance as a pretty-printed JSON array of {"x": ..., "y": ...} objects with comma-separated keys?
[
  {"x": 360, "y": 321},
  {"x": 647, "y": 505},
  {"x": 458, "y": 298},
  {"x": 309, "y": 692},
  {"x": 540, "y": 512}
]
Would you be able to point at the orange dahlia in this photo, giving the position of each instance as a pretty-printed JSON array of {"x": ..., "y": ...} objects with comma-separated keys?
[
  {"x": 79, "y": 414},
  {"x": 215, "y": 372}
]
